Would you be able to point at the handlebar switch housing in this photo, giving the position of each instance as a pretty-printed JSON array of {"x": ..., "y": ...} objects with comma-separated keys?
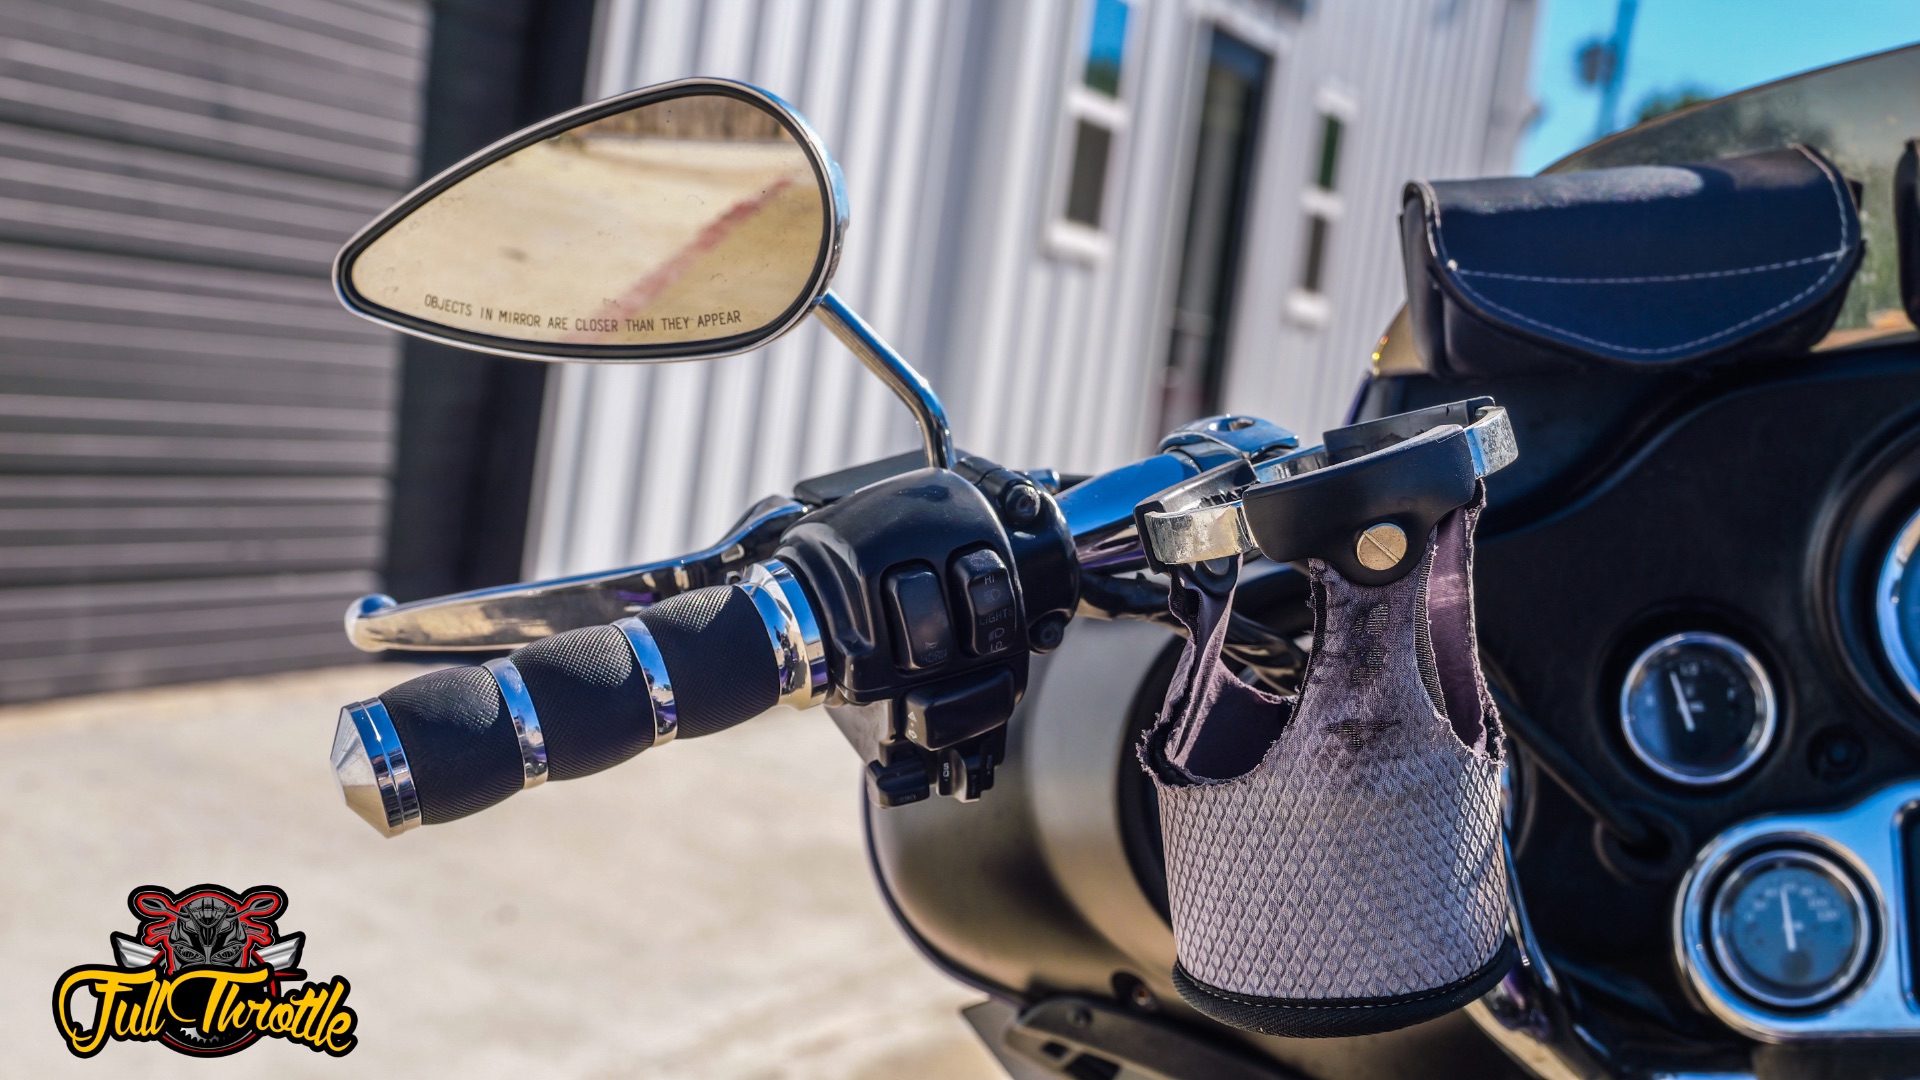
[{"x": 927, "y": 586}]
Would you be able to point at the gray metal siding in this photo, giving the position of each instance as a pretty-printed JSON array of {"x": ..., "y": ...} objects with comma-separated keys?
[
  {"x": 947, "y": 117},
  {"x": 194, "y": 437}
]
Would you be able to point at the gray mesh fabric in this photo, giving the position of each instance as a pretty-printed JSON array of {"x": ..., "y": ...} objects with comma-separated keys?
[{"x": 1358, "y": 858}]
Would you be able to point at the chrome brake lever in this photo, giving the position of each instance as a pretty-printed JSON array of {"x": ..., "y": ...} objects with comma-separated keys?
[
  {"x": 1212, "y": 524},
  {"x": 508, "y": 616}
]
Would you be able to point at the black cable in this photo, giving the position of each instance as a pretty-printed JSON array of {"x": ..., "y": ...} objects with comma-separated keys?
[{"x": 1565, "y": 770}]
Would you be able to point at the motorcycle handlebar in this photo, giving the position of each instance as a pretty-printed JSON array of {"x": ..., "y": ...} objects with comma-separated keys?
[{"x": 456, "y": 741}]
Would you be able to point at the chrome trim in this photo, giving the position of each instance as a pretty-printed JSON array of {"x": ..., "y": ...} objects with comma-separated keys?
[
  {"x": 798, "y": 645},
  {"x": 936, "y": 437},
  {"x": 1864, "y": 839},
  {"x": 371, "y": 767},
  {"x": 1758, "y": 741},
  {"x": 1216, "y": 527},
  {"x": 526, "y": 720},
  {"x": 512, "y": 615},
  {"x": 827, "y": 171},
  {"x": 1886, "y": 606},
  {"x": 1723, "y": 950},
  {"x": 1246, "y": 437},
  {"x": 646, "y": 653}
]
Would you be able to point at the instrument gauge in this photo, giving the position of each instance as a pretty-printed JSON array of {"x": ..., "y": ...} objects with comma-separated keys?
[
  {"x": 1790, "y": 929},
  {"x": 1897, "y": 607},
  {"x": 1697, "y": 708}
]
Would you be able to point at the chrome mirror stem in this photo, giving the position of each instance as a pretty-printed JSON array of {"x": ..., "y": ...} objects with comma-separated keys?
[{"x": 906, "y": 383}]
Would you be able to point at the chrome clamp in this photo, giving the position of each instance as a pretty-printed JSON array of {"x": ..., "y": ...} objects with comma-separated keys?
[{"x": 1213, "y": 524}]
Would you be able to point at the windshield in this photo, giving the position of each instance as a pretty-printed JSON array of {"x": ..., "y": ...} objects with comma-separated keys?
[{"x": 1859, "y": 114}]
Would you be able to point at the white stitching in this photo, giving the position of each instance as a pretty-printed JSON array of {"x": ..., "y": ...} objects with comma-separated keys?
[
  {"x": 1652, "y": 278},
  {"x": 1840, "y": 209}
]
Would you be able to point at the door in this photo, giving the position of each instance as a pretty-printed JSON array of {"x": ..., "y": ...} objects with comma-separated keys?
[{"x": 1235, "y": 92}]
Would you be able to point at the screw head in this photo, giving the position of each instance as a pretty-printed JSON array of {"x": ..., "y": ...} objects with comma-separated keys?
[
  {"x": 1020, "y": 503},
  {"x": 1380, "y": 546}
]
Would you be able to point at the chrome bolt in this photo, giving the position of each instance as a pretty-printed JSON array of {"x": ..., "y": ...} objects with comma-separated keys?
[{"x": 1381, "y": 546}]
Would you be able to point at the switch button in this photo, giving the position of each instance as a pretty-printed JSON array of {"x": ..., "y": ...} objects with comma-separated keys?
[
  {"x": 922, "y": 632},
  {"x": 984, "y": 590}
]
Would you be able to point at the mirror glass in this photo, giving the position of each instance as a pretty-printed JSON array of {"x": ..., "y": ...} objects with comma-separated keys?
[{"x": 682, "y": 223}]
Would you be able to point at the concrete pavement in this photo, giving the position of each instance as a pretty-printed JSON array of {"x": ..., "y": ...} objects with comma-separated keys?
[{"x": 704, "y": 911}]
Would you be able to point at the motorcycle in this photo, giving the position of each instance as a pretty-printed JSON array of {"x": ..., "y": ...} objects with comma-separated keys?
[{"x": 1694, "y": 603}]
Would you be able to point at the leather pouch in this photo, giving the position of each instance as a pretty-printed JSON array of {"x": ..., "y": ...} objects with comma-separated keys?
[
  {"x": 1335, "y": 861},
  {"x": 1646, "y": 267}
]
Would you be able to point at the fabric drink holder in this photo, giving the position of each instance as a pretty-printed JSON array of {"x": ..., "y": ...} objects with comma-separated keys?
[{"x": 1334, "y": 860}]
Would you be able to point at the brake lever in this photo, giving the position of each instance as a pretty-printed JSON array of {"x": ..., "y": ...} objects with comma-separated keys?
[{"x": 508, "y": 616}]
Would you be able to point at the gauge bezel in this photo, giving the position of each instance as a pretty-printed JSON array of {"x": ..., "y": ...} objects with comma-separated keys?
[
  {"x": 1759, "y": 740},
  {"x": 1724, "y": 956},
  {"x": 1886, "y": 610}
]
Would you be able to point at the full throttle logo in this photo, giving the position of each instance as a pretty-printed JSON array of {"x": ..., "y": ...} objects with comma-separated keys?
[{"x": 206, "y": 973}]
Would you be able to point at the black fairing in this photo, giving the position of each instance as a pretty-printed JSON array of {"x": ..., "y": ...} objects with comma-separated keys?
[
  {"x": 1752, "y": 500},
  {"x": 1747, "y": 503}
]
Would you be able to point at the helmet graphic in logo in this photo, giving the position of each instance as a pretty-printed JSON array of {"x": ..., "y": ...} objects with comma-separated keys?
[{"x": 209, "y": 927}]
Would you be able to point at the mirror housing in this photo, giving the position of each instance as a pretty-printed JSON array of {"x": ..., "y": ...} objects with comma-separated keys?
[{"x": 515, "y": 222}]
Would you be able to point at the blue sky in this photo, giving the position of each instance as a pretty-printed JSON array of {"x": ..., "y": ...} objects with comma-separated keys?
[{"x": 1718, "y": 45}]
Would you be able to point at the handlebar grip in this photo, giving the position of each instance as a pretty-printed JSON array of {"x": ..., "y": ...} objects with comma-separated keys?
[{"x": 454, "y": 742}]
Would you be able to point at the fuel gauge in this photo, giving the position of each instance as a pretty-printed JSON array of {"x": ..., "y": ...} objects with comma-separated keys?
[{"x": 1790, "y": 929}]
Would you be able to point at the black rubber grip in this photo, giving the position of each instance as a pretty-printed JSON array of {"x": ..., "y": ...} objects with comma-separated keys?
[
  {"x": 719, "y": 656},
  {"x": 591, "y": 697},
  {"x": 459, "y": 741}
]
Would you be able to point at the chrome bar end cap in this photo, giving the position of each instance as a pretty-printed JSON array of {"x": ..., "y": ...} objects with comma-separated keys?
[
  {"x": 372, "y": 770},
  {"x": 366, "y": 607}
]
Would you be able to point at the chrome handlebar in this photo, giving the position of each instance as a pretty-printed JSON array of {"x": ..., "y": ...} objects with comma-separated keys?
[{"x": 1098, "y": 511}]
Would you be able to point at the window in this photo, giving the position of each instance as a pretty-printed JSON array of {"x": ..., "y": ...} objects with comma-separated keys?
[
  {"x": 1096, "y": 116},
  {"x": 1316, "y": 260},
  {"x": 1320, "y": 200},
  {"x": 1329, "y": 171}
]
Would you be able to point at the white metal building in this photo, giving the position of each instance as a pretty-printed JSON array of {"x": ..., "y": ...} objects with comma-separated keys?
[{"x": 1085, "y": 220}]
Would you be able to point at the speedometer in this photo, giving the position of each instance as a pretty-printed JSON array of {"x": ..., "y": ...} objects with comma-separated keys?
[{"x": 1897, "y": 607}]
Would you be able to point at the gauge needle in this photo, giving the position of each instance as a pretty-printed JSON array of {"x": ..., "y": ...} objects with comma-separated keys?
[
  {"x": 1686, "y": 707},
  {"x": 1786, "y": 921}
]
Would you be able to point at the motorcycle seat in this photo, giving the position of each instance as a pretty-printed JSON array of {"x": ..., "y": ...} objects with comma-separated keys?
[{"x": 1643, "y": 268}]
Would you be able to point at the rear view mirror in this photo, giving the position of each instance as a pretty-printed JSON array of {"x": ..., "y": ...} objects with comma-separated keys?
[{"x": 694, "y": 219}]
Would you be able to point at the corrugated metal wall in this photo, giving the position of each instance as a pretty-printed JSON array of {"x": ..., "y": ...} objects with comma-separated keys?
[
  {"x": 946, "y": 117},
  {"x": 1439, "y": 90},
  {"x": 194, "y": 437}
]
